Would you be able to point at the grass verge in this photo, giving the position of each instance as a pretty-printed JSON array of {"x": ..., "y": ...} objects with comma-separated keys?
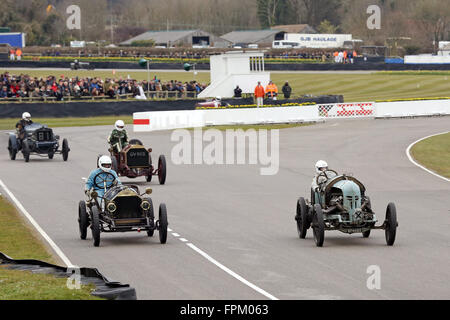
[
  {"x": 19, "y": 241},
  {"x": 10, "y": 124},
  {"x": 434, "y": 153}
]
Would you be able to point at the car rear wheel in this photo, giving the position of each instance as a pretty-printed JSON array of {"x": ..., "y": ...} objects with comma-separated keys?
[
  {"x": 391, "y": 224},
  {"x": 150, "y": 217},
  {"x": 302, "y": 218},
  {"x": 319, "y": 226},
  {"x": 65, "y": 150},
  {"x": 163, "y": 223},
  {"x": 26, "y": 151},
  {"x": 136, "y": 142},
  {"x": 95, "y": 226},
  {"x": 12, "y": 151},
  {"x": 83, "y": 220},
  {"x": 162, "y": 169},
  {"x": 150, "y": 170}
]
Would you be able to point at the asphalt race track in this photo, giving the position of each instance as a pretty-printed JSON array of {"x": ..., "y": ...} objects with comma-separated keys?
[{"x": 245, "y": 221}]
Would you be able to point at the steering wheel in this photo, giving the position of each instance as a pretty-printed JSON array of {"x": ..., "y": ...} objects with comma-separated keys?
[
  {"x": 103, "y": 178},
  {"x": 324, "y": 174}
]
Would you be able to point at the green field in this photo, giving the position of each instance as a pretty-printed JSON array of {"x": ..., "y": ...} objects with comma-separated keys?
[
  {"x": 355, "y": 87},
  {"x": 19, "y": 241},
  {"x": 434, "y": 153}
]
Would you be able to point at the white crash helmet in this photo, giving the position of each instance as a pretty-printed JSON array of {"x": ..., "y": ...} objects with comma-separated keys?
[
  {"x": 26, "y": 116},
  {"x": 120, "y": 125},
  {"x": 320, "y": 166},
  {"x": 105, "y": 161},
  {"x": 218, "y": 98}
]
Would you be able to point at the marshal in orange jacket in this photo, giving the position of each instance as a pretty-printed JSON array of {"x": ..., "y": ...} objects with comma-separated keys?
[
  {"x": 259, "y": 91},
  {"x": 271, "y": 88}
]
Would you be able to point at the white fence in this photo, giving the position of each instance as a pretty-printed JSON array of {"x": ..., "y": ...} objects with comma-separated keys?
[
  {"x": 412, "y": 108},
  {"x": 426, "y": 58},
  {"x": 166, "y": 120}
]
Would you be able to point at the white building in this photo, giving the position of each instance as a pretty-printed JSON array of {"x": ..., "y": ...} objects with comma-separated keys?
[{"x": 235, "y": 69}]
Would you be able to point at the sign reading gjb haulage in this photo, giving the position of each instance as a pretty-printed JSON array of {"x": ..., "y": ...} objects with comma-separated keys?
[{"x": 318, "y": 40}]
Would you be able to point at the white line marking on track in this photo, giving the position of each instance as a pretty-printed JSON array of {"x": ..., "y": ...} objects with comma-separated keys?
[
  {"x": 52, "y": 244},
  {"x": 231, "y": 273},
  {"x": 175, "y": 235},
  {"x": 408, "y": 154},
  {"x": 170, "y": 230},
  {"x": 183, "y": 240}
]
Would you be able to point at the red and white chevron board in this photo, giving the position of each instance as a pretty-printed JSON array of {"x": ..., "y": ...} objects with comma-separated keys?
[{"x": 347, "y": 110}]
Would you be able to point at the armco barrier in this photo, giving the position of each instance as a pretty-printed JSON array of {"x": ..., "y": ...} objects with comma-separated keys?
[
  {"x": 166, "y": 120},
  {"x": 412, "y": 108}
]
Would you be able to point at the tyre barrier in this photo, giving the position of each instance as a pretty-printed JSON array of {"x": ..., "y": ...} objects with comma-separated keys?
[{"x": 104, "y": 288}]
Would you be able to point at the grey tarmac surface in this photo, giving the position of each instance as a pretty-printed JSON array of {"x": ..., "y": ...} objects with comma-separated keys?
[{"x": 246, "y": 221}]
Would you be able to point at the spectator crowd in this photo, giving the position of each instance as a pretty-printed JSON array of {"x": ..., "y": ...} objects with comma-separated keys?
[
  {"x": 346, "y": 56},
  {"x": 24, "y": 86}
]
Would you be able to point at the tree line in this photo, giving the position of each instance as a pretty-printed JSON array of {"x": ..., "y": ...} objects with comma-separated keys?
[{"x": 425, "y": 22}]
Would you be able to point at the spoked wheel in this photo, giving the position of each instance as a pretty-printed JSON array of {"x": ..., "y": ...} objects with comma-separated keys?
[
  {"x": 12, "y": 151},
  {"x": 162, "y": 169},
  {"x": 26, "y": 151},
  {"x": 302, "y": 218},
  {"x": 95, "y": 226},
  {"x": 136, "y": 142},
  {"x": 114, "y": 164},
  {"x": 150, "y": 173},
  {"x": 150, "y": 217},
  {"x": 65, "y": 150},
  {"x": 391, "y": 224},
  {"x": 318, "y": 225},
  {"x": 163, "y": 223},
  {"x": 83, "y": 220}
]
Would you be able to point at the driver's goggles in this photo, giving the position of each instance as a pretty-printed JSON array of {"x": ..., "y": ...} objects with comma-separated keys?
[
  {"x": 106, "y": 166},
  {"x": 120, "y": 127},
  {"x": 323, "y": 169}
]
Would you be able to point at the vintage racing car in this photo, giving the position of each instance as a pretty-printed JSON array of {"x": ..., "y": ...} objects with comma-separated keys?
[
  {"x": 341, "y": 204},
  {"x": 39, "y": 140},
  {"x": 122, "y": 209},
  {"x": 136, "y": 161}
]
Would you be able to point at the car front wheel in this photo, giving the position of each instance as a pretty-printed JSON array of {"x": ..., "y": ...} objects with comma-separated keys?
[
  {"x": 83, "y": 220},
  {"x": 391, "y": 224},
  {"x": 95, "y": 226},
  {"x": 26, "y": 151},
  {"x": 163, "y": 223}
]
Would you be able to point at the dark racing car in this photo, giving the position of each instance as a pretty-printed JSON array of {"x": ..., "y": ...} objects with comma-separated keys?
[
  {"x": 121, "y": 209},
  {"x": 39, "y": 140},
  {"x": 136, "y": 161}
]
